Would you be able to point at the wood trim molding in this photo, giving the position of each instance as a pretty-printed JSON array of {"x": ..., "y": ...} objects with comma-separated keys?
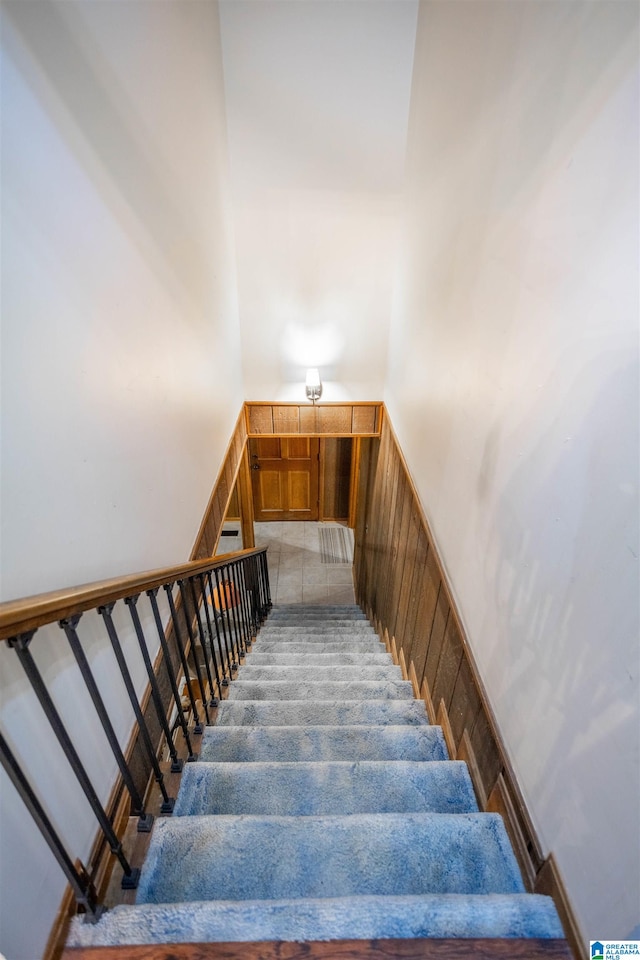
[
  {"x": 549, "y": 882},
  {"x": 208, "y": 535},
  {"x": 418, "y": 949},
  {"x": 466, "y": 753},
  {"x": 500, "y": 801},
  {"x": 442, "y": 718}
]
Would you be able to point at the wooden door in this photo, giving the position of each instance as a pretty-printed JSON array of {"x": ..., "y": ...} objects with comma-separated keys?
[{"x": 284, "y": 476}]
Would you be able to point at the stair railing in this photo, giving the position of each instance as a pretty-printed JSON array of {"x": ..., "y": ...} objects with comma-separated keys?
[{"x": 215, "y": 608}]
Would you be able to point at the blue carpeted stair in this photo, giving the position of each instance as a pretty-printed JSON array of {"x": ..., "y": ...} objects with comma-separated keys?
[{"x": 324, "y": 807}]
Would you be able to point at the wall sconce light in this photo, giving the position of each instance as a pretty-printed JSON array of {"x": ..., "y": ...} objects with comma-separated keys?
[{"x": 313, "y": 385}]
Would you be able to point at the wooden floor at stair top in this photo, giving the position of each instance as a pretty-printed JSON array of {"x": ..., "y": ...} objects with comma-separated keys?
[{"x": 335, "y": 950}]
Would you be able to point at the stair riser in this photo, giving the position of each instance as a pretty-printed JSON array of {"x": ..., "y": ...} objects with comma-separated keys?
[
  {"x": 359, "y": 690},
  {"x": 307, "y": 789},
  {"x": 361, "y": 628},
  {"x": 323, "y": 674},
  {"x": 359, "y": 918},
  {"x": 325, "y": 713},
  {"x": 311, "y": 615},
  {"x": 316, "y": 645},
  {"x": 337, "y": 659},
  {"x": 319, "y": 743},
  {"x": 276, "y": 622}
]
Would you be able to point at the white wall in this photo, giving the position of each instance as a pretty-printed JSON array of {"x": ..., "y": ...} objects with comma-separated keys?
[
  {"x": 513, "y": 387},
  {"x": 121, "y": 372},
  {"x": 317, "y": 100}
]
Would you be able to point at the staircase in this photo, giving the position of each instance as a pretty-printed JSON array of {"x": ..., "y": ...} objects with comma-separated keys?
[{"x": 324, "y": 807}]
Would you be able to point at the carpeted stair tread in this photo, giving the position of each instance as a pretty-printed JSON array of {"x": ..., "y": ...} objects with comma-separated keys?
[
  {"x": 328, "y": 674},
  {"x": 363, "y": 648},
  {"x": 310, "y": 656},
  {"x": 359, "y": 742},
  {"x": 316, "y": 610},
  {"x": 363, "y": 917},
  {"x": 345, "y": 627},
  {"x": 317, "y": 690},
  {"x": 317, "y": 622},
  {"x": 324, "y": 712},
  {"x": 312, "y": 788},
  {"x": 315, "y": 618},
  {"x": 253, "y": 858}
]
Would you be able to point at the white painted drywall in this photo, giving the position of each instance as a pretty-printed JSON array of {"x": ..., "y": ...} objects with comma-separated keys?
[
  {"x": 121, "y": 374},
  {"x": 513, "y": 387},
  {"x": 317, "y": 102}
]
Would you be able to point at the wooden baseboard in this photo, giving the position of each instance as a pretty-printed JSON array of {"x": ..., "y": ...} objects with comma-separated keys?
[
  {"x": 442, "y": 718},
  {"x": 550, "y": 883},
  {"x": 500, "y": 801},
  {"x": 428, "y": 702},
  {"x": 414, "y": 681},
  {"x": 403, "y": 665},
  {"x": 467, "y": 753}
]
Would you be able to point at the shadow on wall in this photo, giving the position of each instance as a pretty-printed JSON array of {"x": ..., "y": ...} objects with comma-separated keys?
[
  {"x": 84, "y": 95},
  {"x": 572, "y": 649}
]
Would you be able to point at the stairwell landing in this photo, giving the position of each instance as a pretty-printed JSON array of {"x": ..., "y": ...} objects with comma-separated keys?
[{"x": 323, "y": 806}]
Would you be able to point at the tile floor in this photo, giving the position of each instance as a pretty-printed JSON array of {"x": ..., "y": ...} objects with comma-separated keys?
[{"x": 296, "y": 573}]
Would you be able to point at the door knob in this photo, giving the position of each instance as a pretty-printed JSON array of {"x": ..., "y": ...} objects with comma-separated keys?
[{"x": 255, "y": 466}]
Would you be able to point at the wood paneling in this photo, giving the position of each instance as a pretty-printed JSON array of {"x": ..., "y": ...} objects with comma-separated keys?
[
  {"x": 364, "y": 419},
  {"x": 400, "y": 583},
  {"x": 335, "y": 419},
  {"x": 418, "y": 949},
  {"x": 320, "y": 419},
  {"x": 260, "y": 419},
  {"x": 209, "y": 532},
  {"x": 335, "y": 477},
  {"x": 286, "y": 419}
]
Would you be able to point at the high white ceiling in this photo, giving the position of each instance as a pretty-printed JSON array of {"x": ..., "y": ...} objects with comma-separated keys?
[
  {"x": 317, "y": 91},
  {"x": 317, "y": 95}
]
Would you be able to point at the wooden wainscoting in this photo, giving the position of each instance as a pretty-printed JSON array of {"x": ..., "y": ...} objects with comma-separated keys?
[
  {"x": 233, "y": 470},
  {"x": 400, "y": 584},
  {"x": 320, "y": 419}
]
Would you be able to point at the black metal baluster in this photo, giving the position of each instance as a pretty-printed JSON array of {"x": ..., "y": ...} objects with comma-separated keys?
[
  {"x": 197, "y": 728},
  {"x": 234, "y": 610},
  {"x": 246, "y": 603},
  {"x": 205, "y": 604},
  {"x": 79, "y": 880},
  {"x": 221, "y": 589},
  {"x": 105, "y": 612},
  {"x": 246, "y": 640},
  {"x": 21, "y": 645},
  {"x": 213, "y": 700},
  {"x": 194, "y": 652},
  {"x": 220, "y": 620},
  {"x": 176, "y": 763},
  {"x": 226, "y": 662},
  {"x": 267, "y": 588},
  {"x": 260, "y": 585},
  {"x": 152, "y": 594},
  {"x": 255, "y": 591},
  {"x": 145, "y": 820}
]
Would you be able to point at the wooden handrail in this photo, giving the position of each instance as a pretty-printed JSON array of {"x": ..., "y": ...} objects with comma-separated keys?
[{"x": 20, "y": 616}]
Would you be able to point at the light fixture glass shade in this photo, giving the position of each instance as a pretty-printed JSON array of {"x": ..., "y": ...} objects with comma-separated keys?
[{"x": 313, "y": 384}]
